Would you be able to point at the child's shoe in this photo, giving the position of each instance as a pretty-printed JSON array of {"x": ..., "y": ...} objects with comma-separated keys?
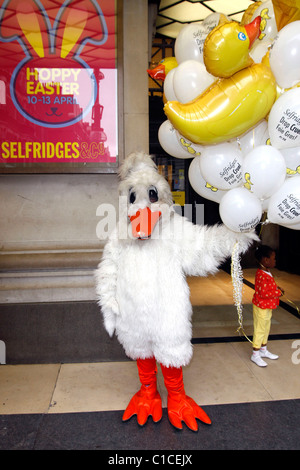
[
  {"x": 265, "y": 353},
  {"x": 256, "y": 358}
]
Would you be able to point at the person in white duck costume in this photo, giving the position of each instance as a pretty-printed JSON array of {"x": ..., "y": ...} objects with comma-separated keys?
[{"x": 142, "y": 290}]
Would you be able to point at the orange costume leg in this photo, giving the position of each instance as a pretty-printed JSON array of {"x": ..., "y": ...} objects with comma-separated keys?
[
  {"x": 180, "y": 406},
  {"x": 146, "y": 402}
]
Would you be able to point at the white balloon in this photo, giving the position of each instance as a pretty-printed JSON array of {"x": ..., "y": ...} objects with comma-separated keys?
[
  {"x": 169, "y": 142},
  {"x": 200, "y": 186},
  {"x": 285, "y": 55},
  {"x": 259, "y": 50},
  {"x": 221, "y": 165},
  {"x": 212, "y": 20},
  {"x": 190, "y": 80},
  {"x": 190, "y": 41},
  {"x": 284, "y": 120},
  {"x": 292, "y": 160},
  {"x": 292, "y": 226},
  {"x": 258, "y": 135},
  {"x": 240, "y": 210},
  {"x": 193, "y": 149},
  {"x": 284, "y": 205},
  {"x": 264, "y": 171},
  {"x": 169, "y": 87}
]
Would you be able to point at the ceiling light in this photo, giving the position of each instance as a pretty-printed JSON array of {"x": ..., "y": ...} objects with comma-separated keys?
[{"x": 173, "y": 15}]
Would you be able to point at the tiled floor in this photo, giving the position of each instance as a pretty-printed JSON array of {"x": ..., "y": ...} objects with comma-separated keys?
[{"x": 220, "y": 374}]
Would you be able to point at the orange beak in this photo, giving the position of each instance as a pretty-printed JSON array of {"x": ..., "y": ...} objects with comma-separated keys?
[
  {"x": 158, "y": 73},
  {"x": 253, "y": 30},
  {"x": 143, "y": 222}
]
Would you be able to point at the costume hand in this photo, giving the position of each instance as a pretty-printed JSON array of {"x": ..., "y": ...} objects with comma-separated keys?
[
  {"x": 113, "y": 305},
  {"x": 110, "y": 324},
  {"x": 110, "y": 311}
]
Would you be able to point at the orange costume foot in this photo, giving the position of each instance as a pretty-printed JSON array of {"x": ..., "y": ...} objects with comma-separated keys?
[
  {"x": 146, "y": 402},
  {"x": 180, "y": 406}
]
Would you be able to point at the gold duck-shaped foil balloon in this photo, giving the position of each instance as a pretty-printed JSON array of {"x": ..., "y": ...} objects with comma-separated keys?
[
  {"x": 163, "y": 68},
  {"x": 242, "y": 95}
]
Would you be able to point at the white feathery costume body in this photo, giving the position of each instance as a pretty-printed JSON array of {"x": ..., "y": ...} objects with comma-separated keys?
[{"x": 141, "y": 282}]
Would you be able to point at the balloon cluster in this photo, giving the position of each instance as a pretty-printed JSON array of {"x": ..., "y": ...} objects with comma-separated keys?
[{"x": 232, "y": 101}]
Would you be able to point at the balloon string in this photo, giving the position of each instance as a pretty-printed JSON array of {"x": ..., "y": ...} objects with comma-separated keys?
[
  {"x": 264, "y": 221},
  {"x": 237, "y": 282}
]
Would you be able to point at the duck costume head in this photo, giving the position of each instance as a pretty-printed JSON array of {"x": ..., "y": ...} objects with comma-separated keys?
[
  {"x": 142, "y": 289},
  {"x": 146, "y": 198}
]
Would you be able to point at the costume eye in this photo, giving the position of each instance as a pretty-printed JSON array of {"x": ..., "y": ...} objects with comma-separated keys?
[
  {"x": 132, "y": 197},
  {"x": 153, "y": 194}
]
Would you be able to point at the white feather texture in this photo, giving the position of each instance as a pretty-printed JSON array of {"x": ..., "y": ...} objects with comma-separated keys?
[{"x": 141, "y": 284}]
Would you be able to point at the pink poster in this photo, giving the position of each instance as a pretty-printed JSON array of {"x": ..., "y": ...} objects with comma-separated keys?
[{"x": 58, "y": 85}]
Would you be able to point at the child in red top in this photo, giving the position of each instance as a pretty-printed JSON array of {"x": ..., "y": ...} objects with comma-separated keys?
[{"x": 265, "y": 299}]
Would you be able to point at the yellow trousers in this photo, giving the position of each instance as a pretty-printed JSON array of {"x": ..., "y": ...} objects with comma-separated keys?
[{"x": 261, "y": 325}]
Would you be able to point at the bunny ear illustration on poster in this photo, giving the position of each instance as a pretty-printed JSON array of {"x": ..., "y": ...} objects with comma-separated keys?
[{"x": 55, "y": 65}]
